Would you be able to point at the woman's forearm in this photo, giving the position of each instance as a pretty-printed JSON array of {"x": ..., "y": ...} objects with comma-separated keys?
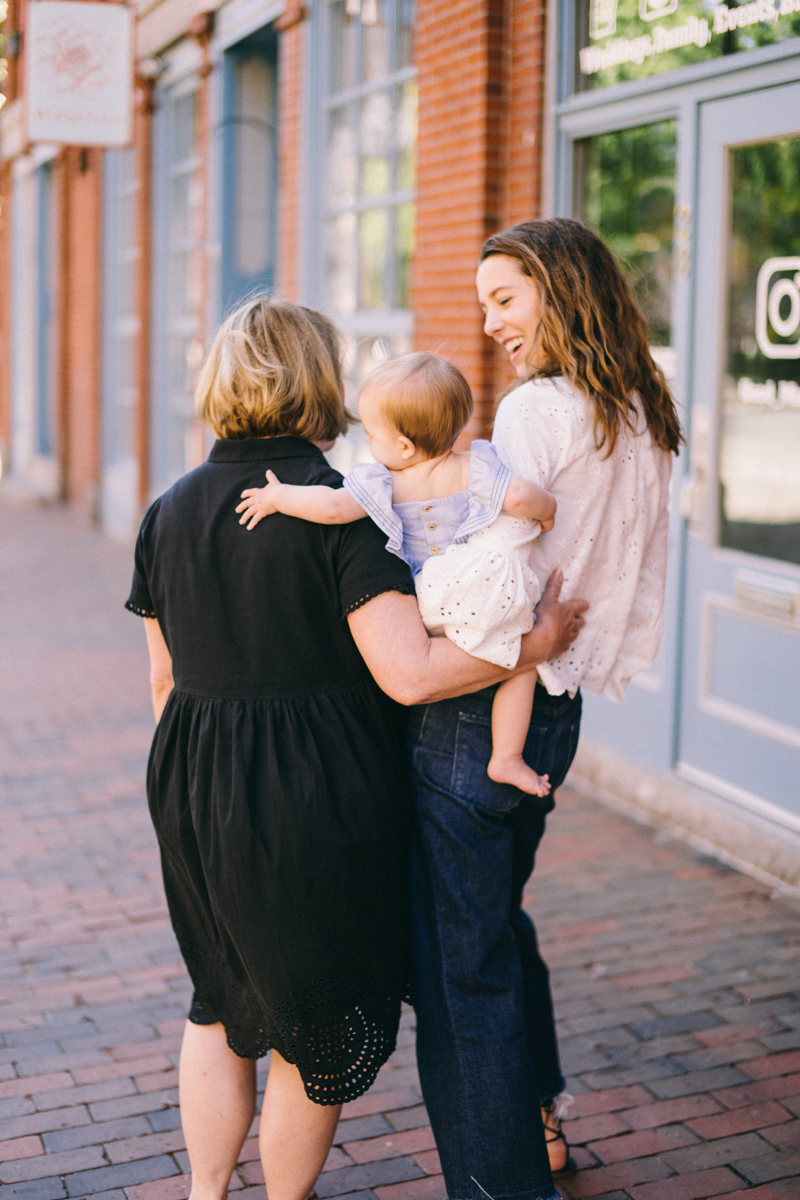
[
  {"x": 160, "y": 690},
  {"x": 413, "y": 668},
  {"x": 405, "y": 663},
  {"x": 161, "y": 681}
]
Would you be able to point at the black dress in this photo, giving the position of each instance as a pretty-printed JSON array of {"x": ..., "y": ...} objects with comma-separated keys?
[{"x": 277, "y": 781}]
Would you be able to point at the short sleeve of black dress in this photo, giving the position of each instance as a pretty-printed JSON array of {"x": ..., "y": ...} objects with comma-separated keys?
[
  {"x": 277, "y": 779},
  {"x": 365, "y": 568},
  {"x": 140, "y": 601}
]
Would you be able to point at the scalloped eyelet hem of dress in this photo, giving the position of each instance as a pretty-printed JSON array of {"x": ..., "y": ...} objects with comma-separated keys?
[{"x": 140, "y": 612}]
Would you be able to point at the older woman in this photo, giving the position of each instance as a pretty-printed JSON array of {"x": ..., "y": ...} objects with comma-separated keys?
[{"x": 277, "y": 780}]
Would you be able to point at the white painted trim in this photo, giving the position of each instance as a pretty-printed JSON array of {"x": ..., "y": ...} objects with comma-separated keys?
[
  {"x": 240, "y": 18},
  {"x": 22, "y": 167},
  {"x": 737, "y": 795},
  {"x": 45, "y": 152},
  {"x": 183, "y": 60},
  {"x": 725, "y": 710},
  {"x": 704, "y": 78},
  {"x": 164, "y": 23}
]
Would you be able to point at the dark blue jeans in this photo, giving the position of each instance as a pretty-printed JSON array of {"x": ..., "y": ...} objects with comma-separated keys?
[{"x": 486, "y": 1040}]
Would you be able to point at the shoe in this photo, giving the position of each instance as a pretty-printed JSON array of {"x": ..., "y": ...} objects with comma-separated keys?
[{"x": 562, "y": 1163}]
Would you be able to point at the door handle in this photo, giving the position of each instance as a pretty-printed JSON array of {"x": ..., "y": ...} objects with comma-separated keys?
[{"x": 694, "y": 488}]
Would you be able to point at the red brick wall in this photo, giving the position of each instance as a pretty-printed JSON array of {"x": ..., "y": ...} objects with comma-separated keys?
[
  {"x": 480, "y": 99},
  {"x": 459, "y": 63},
  {"x": 523, "y": 114},
  {"x": 290, "y": 126},
  {"x": 524, "y": 60},
  {"x": 82, "y": 326}
]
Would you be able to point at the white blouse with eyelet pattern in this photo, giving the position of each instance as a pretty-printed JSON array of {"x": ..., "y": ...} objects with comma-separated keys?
[{"x": 610, "y": 532}]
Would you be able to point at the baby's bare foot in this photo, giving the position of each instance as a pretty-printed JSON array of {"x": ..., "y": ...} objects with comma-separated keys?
[{"x": 516, "y": 771}]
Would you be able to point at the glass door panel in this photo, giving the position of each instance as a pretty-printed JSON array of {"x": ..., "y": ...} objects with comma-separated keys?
[
  {"x": 625, "y": 191},
  {"x": 759, "y": 459},
  {"x": 740, "y": 708}
]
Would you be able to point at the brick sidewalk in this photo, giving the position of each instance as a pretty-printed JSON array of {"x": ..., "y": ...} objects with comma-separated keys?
[{"x": 677, "y": 981}]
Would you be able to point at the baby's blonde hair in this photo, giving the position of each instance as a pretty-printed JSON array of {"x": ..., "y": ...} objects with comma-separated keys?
[
  {"x": 424, "y": 397},
  {"x": 274, "y": 370}
]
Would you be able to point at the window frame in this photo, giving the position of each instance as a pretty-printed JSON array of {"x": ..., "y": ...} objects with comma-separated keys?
[
  {"x": 119, "y": 488},
  {"x": 176, "y": 82},
  {"x": 386, "y": 322}
]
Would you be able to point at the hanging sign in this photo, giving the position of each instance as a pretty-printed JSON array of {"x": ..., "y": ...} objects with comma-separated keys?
[{"x": 79, "y": 66}]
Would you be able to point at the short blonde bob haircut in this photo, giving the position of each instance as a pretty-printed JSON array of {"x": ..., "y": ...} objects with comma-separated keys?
[
  {"x": 274, "y": 370},
  {"x": 424, "y": 397}
]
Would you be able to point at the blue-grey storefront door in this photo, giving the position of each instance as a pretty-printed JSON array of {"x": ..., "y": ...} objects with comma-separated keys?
[{"x": 739, "y": 726}]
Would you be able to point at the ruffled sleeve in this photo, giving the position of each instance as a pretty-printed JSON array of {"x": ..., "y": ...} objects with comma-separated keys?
[
  {"x": 370, "y": 485},
  {"x": 488, "y": 483}
]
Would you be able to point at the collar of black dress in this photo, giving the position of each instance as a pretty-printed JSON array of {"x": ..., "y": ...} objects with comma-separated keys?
[{"x": 262, "y": 449}]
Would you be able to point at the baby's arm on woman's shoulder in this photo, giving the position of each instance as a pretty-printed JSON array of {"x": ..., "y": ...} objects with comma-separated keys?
[
  {"x": 528, "y": 500},
  {"x": 324, "y": 505}
]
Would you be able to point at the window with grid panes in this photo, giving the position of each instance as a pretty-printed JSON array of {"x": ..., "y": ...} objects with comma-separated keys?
[
  {"x": 178, "y": 282},
  {"x": 120, "y": 485},
  {"x": 370, "y": 116}
]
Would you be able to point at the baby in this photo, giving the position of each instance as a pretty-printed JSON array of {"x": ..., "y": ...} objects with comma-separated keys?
[{"x": 462, "y": 522}]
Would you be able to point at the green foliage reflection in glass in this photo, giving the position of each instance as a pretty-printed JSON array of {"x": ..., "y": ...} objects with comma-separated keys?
[
  {"x": 609, "y": 24},
  {"x": 760, "y": 435},
  {"x": 626, "y": 193},
  {"x": 765, "y": 223}
]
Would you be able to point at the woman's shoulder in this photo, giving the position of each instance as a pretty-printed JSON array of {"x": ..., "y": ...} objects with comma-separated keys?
[
  {"x": 543, "y": 419},
  {"x": 547, "y": 400}
]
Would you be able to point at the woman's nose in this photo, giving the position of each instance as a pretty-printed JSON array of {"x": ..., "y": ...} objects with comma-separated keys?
[{"x": 492, "y": 323}]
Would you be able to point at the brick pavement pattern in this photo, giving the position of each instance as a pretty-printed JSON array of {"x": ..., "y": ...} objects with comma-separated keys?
[{"x": 677, "y": 981}]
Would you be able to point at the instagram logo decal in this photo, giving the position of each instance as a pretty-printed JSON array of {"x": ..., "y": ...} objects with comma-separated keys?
[{"x": 778, "y": 308}]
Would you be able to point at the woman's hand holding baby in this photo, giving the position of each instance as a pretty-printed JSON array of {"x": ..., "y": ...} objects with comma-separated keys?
[{"x": 557, "y": 625}]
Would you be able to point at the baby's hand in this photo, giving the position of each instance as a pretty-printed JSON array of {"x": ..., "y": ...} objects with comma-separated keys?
[
  {"x": 259, "y": 502},
  {"x": 547, "y": 525}
]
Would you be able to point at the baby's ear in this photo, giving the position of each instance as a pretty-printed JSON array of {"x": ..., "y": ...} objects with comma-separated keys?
[{"x": 407, "y": 447}]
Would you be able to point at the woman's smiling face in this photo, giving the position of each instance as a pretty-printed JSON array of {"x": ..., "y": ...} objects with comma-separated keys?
[{"x": 511, "y": 305}]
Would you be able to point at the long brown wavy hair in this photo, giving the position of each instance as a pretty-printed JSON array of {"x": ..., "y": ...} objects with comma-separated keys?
[{"x": 592, "y": 330}]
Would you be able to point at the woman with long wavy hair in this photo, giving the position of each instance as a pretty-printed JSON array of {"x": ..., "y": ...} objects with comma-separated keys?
[{"x": 591, "y": 420}]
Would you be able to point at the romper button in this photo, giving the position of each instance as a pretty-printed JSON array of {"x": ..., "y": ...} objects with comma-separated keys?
[
  {"x": 431, "y": 527},
  {"x": 427, "y": 508},
  {"x": 434, "y": 549}
]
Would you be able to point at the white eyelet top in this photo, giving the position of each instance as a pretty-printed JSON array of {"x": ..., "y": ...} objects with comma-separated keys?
[{"x": 610, "y": 532}]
